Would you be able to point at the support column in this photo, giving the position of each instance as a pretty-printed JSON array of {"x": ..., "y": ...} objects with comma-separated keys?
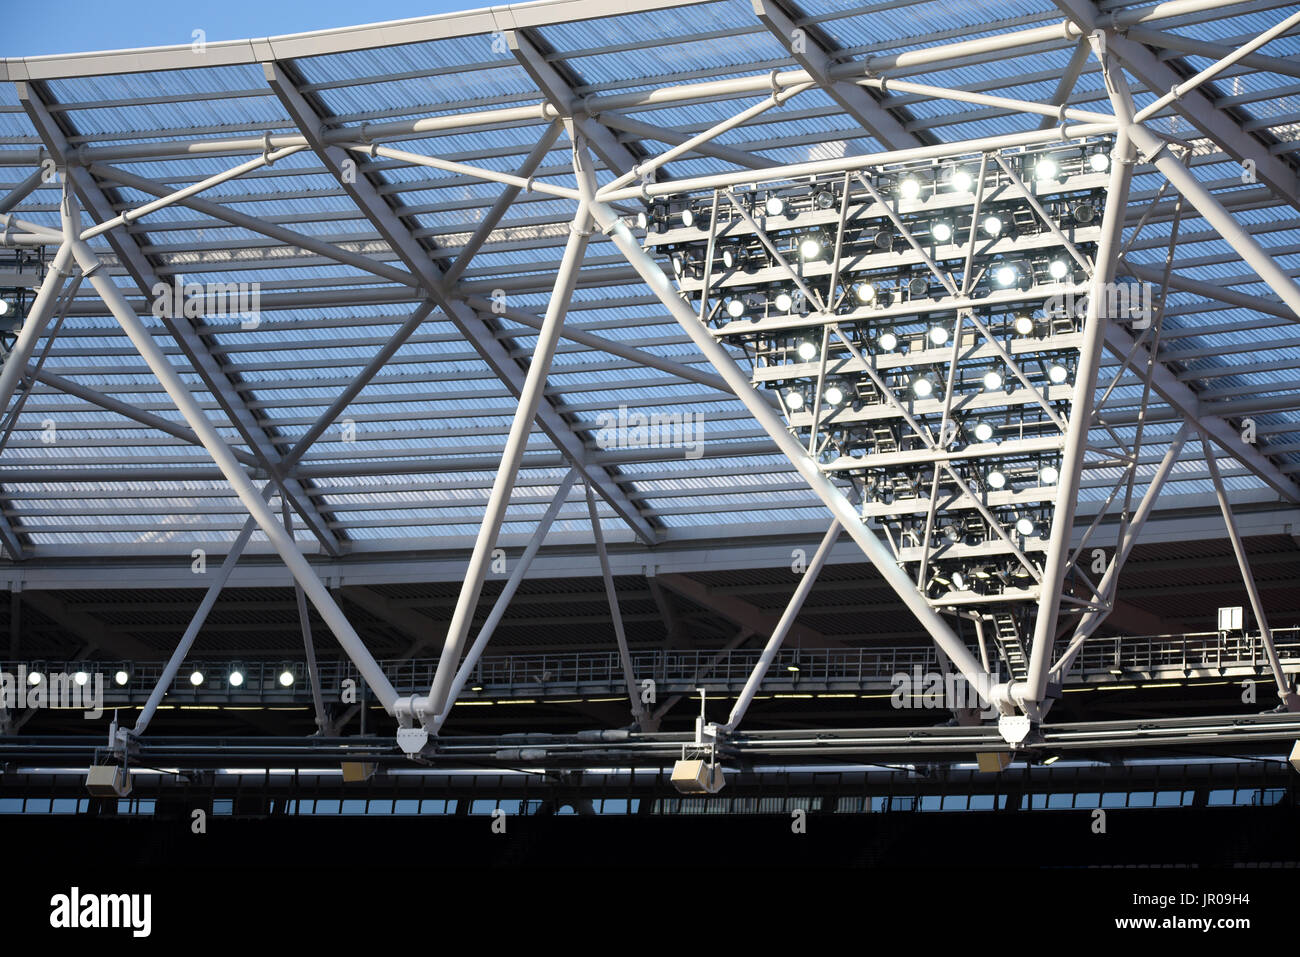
[
  {"x": 529, "y": 399},
  {"x": 783, "y": 627}
]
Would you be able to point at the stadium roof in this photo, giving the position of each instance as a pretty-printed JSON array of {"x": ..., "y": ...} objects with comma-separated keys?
[{"x": 100, "y": 461}]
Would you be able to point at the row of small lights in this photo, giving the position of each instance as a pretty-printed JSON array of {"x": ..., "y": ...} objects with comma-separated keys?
[{"x": 235, "y": 678}]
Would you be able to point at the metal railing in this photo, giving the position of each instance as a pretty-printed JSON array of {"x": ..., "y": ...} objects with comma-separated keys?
[{"x": 673, "y": 671}]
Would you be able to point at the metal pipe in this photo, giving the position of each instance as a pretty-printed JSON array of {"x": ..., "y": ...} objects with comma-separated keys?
[
  {"x": 1288, "y": 696},
  {"x": 530, "y": 398},
  {"x": 38, "y": 317},
  {"x": 503, "y": 600},
  {"x": 196, "y": 623},
  {"x": 478, "y": 172},
  {"x": 616, "y": 616},
  {"x": 1215, "y": 68},
  {"x": 1076, "y": 437},
  {"x": 308, "y": 642},
  {"x": 239, "y": 481},
  {"x": 23, "y": 189},
  {"x": 783, "y": 626},
  {"x": 1212, "y": 210},
  {"x": 886, "y": 85},
  {"x": 841, "y": 509},
  {"x": 1092, "y": 620}
]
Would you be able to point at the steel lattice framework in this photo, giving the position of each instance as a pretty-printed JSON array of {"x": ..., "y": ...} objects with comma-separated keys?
[{"x": 436, "y": 224}]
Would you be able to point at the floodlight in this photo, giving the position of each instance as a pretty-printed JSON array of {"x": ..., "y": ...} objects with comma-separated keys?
[
  {"x": 1025, "y": 526},
  {"x": 794, "y": 401},
  {"x": 1098, "y": 162},
  {"x": 992, "y": 380},
  {"x": 941, "y": 231},
  {"x": 1083, "y": 212},
  {"x": 196, "y": 678},
  {"x": 1025, "y": 325},
  {"x": 286, "y": 678},
  {"x": 735, "y": 308},
  {"x": 923, "y": 387},
  {"x": 865, "y": 292},
  {"x": 642, "y": 220},
  {"x": 983, "y": 432},
  {"x": 81, "y": 677},
  {"x": 962, "y": 181},
  {"x": 1057, "y": 373},
  {"x": 992, "y": 225},
  {"x": 121, "y": 677},
  {"x": 917, "y": 286},
  {"x": 729, "y": 256},
  {"x": 959, "y": 581},
  {"x": 1046, "y": 169},
  {"x": 807, "y": 350},
  {"x": 884, "y": 239},
  {"x": 1048, "y": 475},
  {"x": 784, "y": 301},
  {"x": 888, "y": 342},
  {"x": 834, "y": 395},
  {"x": 938, "y": 335},
  {"x": 34, "y": 677},
  {"x": 997, "y": 479},
  {"x": 952, "y": 532},
  {"x": 775, "y": 206},
  {"x": 1058, "y": 268},
  {"x": 824, "y": 198},
  {"x": 688, "y": 217},
  {"x": 1005, "y": 275},
  {"x": 909, "y": 188},
  {"x": 236, "y": 678},
  {"x": 811, "y": 246}
]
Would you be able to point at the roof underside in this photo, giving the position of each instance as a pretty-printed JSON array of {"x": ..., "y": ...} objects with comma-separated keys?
[{"x": 408, "y": 463}]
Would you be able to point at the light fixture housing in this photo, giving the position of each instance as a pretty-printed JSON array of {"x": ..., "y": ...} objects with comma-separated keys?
[
  {"x": 121, "y": 677},
  {"x": 941, "y": 231},
  {"x": 992, "y": 225},
  {"x": 996, "y": 479},
  {"x": 196, "y": 677},
  {"x": 807, "y": 350},
  {"x": 992, "y": 380},
  {"x": 887, "y": 342},
  {"x": 775, "y": 206}
]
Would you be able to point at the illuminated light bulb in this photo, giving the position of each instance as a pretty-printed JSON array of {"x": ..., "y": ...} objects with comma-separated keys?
[
  {"x": 959, "y": 581},
  {"x": 910, "y": 188},
  {"x": 1024, "y": 526},
  {"x": 1048, "y": 475},
  {"x": 729, "y": 257},
  {"x": 688, "y": 218},
  {"x": 1045, "y": 169},
  {"x": 196, "y": 678},
  {"x": 834, "y": 395},
  {"x": 865, "y": 292},
  {"x": 121, "y": 677},
  {"x": 810, "y": 247},
  {"x": 1057, "y": 374},
  {"x": 236, "y": 678},
  {"x": 1005, "y": 276},
  {"x": 992, "y": 226},
  {"x": 997, "y": 479},
  {"x": 962, "y": 181},
  {"x": 784, "y": 301},
  {"x": 1057, "y": 269},
  {"x": 1025, "y": 325},
  {"x": 34, "y": 678},
  {"x": 938, "y": 335},
  {"x": 286, "y": 678},
  {"x": 1098, "y": 162},
  {"x": 775, "y": 206},
  {"x": 992, "y": 380},
  {"x": 983, "y": 432},
  {"x": 941, "y": 231},
  {"x": 922, "y": 387},
  {"x": 794, "y": 400},
  {"x": 81, "y": 677},
  {"x": 888, "y": 342},
  {"x": 807, "y": 350},
  {"x": 735, "y": 308}
]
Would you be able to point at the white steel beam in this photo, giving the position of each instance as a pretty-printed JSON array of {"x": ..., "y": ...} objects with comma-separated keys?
[{"x": 477, "y": 332}]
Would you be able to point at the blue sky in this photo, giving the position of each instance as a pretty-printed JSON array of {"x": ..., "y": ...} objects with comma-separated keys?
[{"x": 74, "y": 26}]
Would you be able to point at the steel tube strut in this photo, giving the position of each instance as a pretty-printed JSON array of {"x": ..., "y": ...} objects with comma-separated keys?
[
  {"x": 841, "y": 508},
  {"x": 1289, "y": 697},
  {"x": 38, "y": 317},
  {"x": 1091, "y": 620},
  {"x": 1076, "y": 438},
  {"x": 530, "y": 398},
  {"x": 288, "y": 550},
  {"x": 503, "y": 600},
  {"x": 196, "y": 623},
  {"x": 782, "y": 629}
]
